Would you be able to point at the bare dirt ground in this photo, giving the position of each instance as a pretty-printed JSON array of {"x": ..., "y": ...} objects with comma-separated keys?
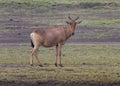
[{"x": 52, "y": 83}]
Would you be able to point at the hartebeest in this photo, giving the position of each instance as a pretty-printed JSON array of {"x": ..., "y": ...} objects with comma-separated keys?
[{"x": 55, "y": 36}]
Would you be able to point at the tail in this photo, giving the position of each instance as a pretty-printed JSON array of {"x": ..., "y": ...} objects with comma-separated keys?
[{"x": 32, "y": 45}]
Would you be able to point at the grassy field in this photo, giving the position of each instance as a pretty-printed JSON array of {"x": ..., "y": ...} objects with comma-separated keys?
[
  {"x": 93, "y": 12},
  {"x": 91, "y": 64},
  {"x": 84, "y": 64}
]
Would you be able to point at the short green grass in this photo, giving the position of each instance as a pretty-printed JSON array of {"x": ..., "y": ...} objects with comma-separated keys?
[
  {"x": 62, "y": 1},
  {"x": 83, "y": 64}
]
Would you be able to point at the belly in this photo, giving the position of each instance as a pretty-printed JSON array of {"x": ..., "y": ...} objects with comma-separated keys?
[
  {"x": 49, "y": 44},
  {"x": 51, "y": 41}
]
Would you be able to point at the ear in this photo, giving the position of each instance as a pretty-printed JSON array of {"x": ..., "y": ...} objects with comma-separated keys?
[
  {"x": 79, "y": 22},
  {"x": 67, "y": 22}
]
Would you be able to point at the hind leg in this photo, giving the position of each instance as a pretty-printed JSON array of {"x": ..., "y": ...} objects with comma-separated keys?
[
  {"x": 34, "y": 53},
  {"x": 36, "y": 42},
  {"x": 31, "y": 58}
]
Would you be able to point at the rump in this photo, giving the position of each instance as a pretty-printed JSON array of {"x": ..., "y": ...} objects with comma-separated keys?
[{"x": 36, "y": 39}]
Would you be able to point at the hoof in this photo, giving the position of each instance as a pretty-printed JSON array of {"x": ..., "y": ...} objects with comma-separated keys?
[
  {"x": 56, "y": 64},
  {"x": 61, "y": 65},
  {"x": 40, "y": 65},
  {"x": 31, "y": 64}
]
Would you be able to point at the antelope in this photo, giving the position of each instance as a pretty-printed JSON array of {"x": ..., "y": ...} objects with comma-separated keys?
[{"x": 55, "y": 36}]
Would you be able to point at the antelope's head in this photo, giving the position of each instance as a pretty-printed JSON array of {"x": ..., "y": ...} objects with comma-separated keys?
[{"x": 73, "y": 23}]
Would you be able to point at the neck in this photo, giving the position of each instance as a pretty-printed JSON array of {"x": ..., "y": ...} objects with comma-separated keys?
[{"x": 69, "y": 31}]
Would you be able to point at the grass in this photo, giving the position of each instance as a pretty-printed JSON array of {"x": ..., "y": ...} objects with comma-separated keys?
[
  {"x": 62, "y": 1},
  {"x": 83, "y": 64},
  {"x": 47, "y": 13},
  {"x": 54, "y": 12},
  {"x": 104, "y": 23}
]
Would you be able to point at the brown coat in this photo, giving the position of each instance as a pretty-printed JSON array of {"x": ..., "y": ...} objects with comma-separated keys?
[{"x": 53, "y": 36}]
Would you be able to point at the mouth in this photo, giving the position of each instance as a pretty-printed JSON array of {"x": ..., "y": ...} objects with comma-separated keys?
[{"x": 73, "y": 33}]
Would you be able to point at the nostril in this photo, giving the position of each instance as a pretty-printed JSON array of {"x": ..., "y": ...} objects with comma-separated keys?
[{"x": 73, "y": 33}]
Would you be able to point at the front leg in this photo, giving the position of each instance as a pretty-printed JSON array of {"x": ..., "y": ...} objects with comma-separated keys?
[
  {"x": 61, "y": 65},
  {"x": 56, "y": 58},
  {"x": 59, "y": 54}
]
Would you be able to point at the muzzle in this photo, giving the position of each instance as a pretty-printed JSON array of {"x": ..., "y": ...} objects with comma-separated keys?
[{"x": 73, "y": 33}]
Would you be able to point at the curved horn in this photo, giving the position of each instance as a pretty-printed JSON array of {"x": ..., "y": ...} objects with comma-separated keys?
[
  {"x": 69, "y": 17},
  {"x": 77, "y": 18}
]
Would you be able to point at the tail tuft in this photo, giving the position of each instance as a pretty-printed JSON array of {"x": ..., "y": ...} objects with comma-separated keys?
[{"x": 32, "y": 45}]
